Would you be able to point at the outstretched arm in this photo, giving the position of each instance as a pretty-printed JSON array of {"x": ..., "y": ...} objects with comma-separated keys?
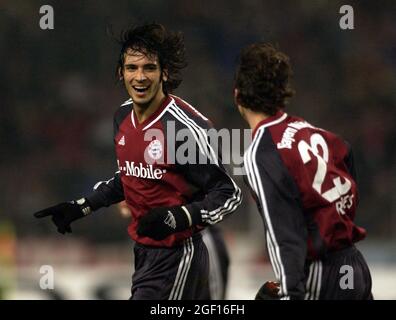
[{"x": 105, "y": 194}]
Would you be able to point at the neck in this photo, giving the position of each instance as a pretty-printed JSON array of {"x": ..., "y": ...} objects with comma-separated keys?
[
  {"x": 144, "y": 111},
  {"x": 253, "y": 118}
]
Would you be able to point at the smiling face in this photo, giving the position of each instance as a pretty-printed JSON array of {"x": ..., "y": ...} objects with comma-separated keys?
[{"x": 143, "y": 78}]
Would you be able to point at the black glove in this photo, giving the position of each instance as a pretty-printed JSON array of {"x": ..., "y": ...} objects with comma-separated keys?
[
  {"x": 65, "y": 213},
  {"x": 268, "y": 291},
  {"x": 159, "y": 223}
]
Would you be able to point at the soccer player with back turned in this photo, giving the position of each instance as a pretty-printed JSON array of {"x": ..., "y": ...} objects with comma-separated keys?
[{"x": 303, "y": 180}]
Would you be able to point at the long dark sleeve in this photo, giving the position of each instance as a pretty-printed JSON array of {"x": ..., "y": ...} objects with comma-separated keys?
[
  {"x": 106, "y": 193},
  {"x": 219, "y": 194},
  {"x": 279, "y": 205}
]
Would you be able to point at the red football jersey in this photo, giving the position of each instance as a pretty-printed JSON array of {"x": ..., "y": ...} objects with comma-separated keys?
[
  {"x": 152, "y": 175},
  {"x": 302, "y": 178}
]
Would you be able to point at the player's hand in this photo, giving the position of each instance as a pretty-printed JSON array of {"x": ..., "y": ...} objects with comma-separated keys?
[
  {"x": 65, "y": 213},
  {"x": 268, "y": 291},
  {"x": 160, "y": 223}
]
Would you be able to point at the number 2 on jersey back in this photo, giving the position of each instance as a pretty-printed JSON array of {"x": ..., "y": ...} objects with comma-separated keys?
[{"x": 339, "y": 188}]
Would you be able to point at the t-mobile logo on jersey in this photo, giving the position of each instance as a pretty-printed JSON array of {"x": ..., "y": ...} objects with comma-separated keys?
[{"x": 140, "y": 171}]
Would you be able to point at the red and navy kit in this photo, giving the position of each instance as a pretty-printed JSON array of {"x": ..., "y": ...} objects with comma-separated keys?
[
  {"x": 302, "y": 178},
  {"x": 152, "y": 175}
]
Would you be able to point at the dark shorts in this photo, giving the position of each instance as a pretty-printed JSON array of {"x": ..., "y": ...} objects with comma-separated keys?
[
  {"x": 176, "y": 273},
  {"x": 341, "y": 275}
]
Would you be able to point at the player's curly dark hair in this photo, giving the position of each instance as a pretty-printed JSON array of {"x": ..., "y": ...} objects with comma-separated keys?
[
  {"x": 155, "y": 39},
  {"x": 262, "y": 78}
]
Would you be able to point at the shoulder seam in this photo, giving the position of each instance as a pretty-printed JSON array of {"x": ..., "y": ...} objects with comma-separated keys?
[{"x": 193, "y": 109}]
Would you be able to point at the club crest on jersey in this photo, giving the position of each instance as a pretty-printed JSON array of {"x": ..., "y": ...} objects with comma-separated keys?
[{"x": 155, "y": 149}]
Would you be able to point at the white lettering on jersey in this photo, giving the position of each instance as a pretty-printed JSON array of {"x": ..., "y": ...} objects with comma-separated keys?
[
  {"x": 290, "y": 131},
  {"x": 140, "y": 171},
  {"x": 344, "y": 203},
  {"x": 340, "y": 188}
]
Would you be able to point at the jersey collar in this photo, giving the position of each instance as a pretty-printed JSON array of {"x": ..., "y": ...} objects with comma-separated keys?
[
  {"x": 270, "y": 121},
  {"x": 157, "y": 114}
]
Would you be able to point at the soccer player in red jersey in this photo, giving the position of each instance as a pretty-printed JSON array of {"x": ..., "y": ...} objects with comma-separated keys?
[
  {"x": 303, "y": 180},
  {"x": 171, "y": 198}
]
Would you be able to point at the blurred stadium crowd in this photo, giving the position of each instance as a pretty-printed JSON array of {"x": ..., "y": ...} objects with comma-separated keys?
[{"x": 58, "y": 94}]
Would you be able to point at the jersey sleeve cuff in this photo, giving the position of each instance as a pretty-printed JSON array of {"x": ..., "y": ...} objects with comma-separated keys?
[{"x": 95, "y": 201}]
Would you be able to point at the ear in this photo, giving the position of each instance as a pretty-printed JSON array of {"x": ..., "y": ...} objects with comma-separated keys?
[
  {"x": 120, "y": 74},
  {"x": 165, "y": 75},
  {"x": 236, "y": 94},
  {"x": 239, "y": 107}
]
